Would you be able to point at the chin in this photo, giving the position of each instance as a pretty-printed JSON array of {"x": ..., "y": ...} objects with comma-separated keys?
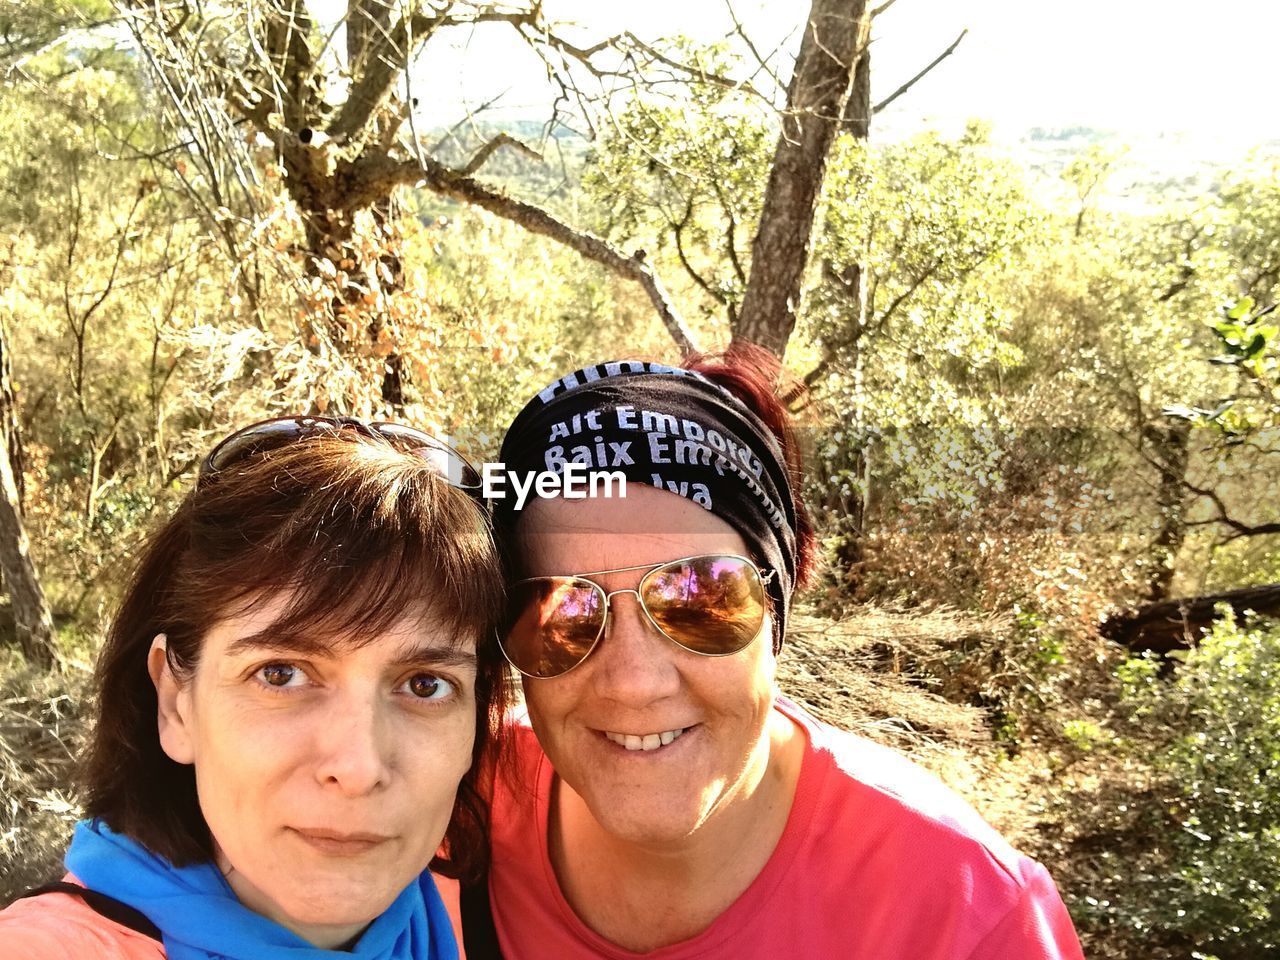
[
  {"x": 337, "y": 905},
  {"x": 649, "y": 822}
]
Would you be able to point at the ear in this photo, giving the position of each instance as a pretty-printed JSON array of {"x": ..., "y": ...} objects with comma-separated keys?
[{"x": 173, "y": 713}]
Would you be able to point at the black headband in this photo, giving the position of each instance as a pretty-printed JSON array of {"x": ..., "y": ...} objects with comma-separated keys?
[{"x": 672, "y": 429}]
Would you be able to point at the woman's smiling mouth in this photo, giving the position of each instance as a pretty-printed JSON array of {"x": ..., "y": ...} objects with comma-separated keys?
[{"x": 646, "y": 741}]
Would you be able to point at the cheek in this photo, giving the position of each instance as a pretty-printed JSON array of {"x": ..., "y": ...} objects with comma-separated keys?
[
  {"x": 438, "y": 754},
  {"x": 743, "y": 689},
  {"x": 549, "y": 702},
  {"x": 239, "y": 758}
]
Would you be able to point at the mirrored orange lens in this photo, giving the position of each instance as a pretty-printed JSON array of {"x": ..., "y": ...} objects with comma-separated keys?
[
  {"x": 711, "y": 605},
  {"x": 555, "y": 622}
]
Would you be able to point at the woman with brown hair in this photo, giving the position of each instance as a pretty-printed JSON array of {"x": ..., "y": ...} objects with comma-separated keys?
[{"x": 293, "y": 704}]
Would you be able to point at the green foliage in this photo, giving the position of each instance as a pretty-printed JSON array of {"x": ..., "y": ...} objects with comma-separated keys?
[
  {"x": 32, "y": 30},
  {"x": 930, "y": 222},
  {"x": 507, "y": 314},
  {"x": 908, "y": 317},
  {"x": 1217, "y": 750},
  {"x": 1249, "y": 225},
  {"x": 685, "y": 181}
]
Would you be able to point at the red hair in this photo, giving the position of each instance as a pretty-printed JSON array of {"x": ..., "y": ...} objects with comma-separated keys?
[{"x": 751, "y": 374}]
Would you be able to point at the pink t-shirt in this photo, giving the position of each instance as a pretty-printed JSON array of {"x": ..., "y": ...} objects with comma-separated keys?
[{"x": 878, "y": 861}]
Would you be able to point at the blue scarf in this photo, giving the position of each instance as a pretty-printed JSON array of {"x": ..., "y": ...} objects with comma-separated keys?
[{"x": 201, "y": 919}]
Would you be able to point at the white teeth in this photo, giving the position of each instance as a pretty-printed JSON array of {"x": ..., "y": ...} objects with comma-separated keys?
[{"x": 650, "y": 741}]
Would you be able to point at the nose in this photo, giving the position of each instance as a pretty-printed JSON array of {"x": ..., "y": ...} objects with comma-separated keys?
[
  {"x": 633, "y": 663},
  {"x": 355, "y": 746}
]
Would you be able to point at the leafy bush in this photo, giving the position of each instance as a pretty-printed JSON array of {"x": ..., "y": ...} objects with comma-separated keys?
[{"x": 1218, "y": 726}]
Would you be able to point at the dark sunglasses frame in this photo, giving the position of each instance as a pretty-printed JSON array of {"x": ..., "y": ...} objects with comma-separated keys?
[
  {"x": 762, "y": 576},
  {"x": 276, "y": 432}
]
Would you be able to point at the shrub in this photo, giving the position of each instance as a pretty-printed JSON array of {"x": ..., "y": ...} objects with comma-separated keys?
[{"x": 1218, "y": 750}]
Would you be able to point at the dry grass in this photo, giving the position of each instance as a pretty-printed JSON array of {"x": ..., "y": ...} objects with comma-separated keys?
[
  {"x": 882, "y": 674},
  {"x": 40, "y": 736},
  {"x": 874, "y": 673}
]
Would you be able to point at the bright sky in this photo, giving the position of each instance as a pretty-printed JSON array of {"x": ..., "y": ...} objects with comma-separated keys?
[{"x": 1133, "y": 65}]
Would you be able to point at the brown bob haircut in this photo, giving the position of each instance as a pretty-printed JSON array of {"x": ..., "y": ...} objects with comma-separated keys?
[{"x": 359, "y": 534}]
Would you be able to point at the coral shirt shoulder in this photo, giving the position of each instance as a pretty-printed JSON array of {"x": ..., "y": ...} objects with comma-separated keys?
[
  {"x": 878, "y": 861},
  {"x": 61, "y": 926}
]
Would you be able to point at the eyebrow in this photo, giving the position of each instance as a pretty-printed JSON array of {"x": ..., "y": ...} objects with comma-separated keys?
[
  {"x": 447, "y": 655},
  {"x": 442, "y": 654}
]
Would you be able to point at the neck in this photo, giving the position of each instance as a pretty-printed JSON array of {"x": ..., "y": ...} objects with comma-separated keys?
[{"x": 642, "y": 896}]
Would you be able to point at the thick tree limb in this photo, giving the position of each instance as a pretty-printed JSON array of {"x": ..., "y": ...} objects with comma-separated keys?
[
  {"x": 921, "y": 75},
  {"x": 380, "y": 174},
  {"x": 287, "y": 51},
  {"x": 1179, "y": 624},
  {"x": 386, "y": 56},
  {"x": 33, "y": 621}
]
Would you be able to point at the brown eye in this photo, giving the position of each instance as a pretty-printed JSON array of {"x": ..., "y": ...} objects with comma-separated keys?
[
  {"x": 279, "y": 674},
  {"x": 426, "y": 686}
]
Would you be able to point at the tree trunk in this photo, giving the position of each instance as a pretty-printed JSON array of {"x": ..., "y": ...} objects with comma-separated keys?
[
  {"x": 33, "y": 623},
  {"x": 12, "y": 435},
  {"x": 817, "y": 99},
  {"x": 357, "y": 254}
]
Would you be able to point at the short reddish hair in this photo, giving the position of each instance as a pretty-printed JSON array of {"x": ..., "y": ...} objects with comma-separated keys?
[
  {"x": 359, "y": 534},
  {"x": 751, "y": 374}
]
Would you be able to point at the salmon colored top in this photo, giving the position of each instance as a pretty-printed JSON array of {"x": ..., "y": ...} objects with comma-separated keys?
[
  {"x": 61, "y": 926},
  {"x": 878, "y": 861}
]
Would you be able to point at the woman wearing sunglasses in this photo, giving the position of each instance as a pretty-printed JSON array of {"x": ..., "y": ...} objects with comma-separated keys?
[
  {"x": 668, "y": 803},
  {"x": 292, "y": 704}
]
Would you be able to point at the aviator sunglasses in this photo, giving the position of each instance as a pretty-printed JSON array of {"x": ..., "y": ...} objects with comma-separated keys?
[
  {"x": 267, "y": 435},
  {"x": 713, "y": 605}
]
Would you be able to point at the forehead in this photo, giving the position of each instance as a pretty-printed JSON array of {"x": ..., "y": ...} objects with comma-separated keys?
[
  {"x": 647, "y": 526},
  {"x": 256, "y": 624}
]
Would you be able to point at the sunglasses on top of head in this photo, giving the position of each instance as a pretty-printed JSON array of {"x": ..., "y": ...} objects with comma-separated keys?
[
  {"x": 713, "y": 605},
  {"x": 278, "y": 432}
]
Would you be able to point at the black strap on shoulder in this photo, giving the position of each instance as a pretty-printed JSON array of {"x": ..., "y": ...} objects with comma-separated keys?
[
  {"x": 100, "y": 903},
  {"x": 479, "y": 937}
]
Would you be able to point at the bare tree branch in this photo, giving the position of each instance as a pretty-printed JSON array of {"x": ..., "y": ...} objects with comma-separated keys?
[
  {"x": 1238, "y": 527},
  {"x": 385, "y": 57},
  {"x": 763, "y": 62},
  {"x": 379, "y": 174},
  {"x": 501, "y": 140},
  {"x": 919, "y": 76},
  {"x": 677, "y": 233}
]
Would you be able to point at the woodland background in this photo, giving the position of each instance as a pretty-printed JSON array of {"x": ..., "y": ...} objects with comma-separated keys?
[{"x": 1037, "y": 387}]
